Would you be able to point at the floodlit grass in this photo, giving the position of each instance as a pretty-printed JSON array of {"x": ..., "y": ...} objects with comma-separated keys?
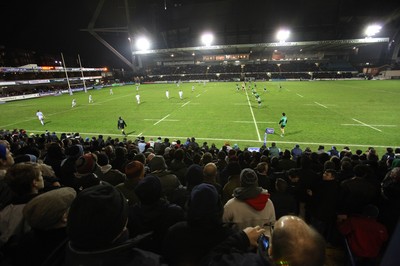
[{"x": 357, "y": 114}]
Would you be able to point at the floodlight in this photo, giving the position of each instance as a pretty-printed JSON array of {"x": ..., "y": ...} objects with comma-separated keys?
[
  {"x": 142, "y": 44},
  {"x": 371, "y": 30},
  {"x": 207, "y": 39},
  {"x": 282, "y": 35}
]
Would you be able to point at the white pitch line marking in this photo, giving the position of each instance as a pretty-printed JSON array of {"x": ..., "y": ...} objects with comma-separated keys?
[
  {"x": 254, "y": 119},
  {"x": 165, "y": 120},
  {"x": 185, "y": 104},
  {"x": 161, "y": 119},
  {"x": 198, "y": 95},
  {"x": 359, "y": 125},
  {"x": 377, "y": 129},
  {"x": 300, "y": 95},
  {"x": 231, "y": 140},
  {"x": 249, "y": 122},
  {"x": 321, "y": 105}
]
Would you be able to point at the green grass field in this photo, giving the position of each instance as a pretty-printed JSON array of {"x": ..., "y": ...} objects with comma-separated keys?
[{"x": 357, "y": 114}]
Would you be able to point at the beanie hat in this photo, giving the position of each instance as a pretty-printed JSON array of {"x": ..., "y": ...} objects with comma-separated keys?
[
  {"x": 204, "y": 204},
  {"x": 46, "y": 210},
  {"x": 85, "y": 164},
  {"x": 134, "y": 169},
  {"x": 149, "y": 189},
  {"x": 194, "y": 176},
  {"x": 3, "y": 152},
  {"x": 97, "y": 217},
  {"x": 157, "y": 163},
  {"x": 248, "y": 178}
]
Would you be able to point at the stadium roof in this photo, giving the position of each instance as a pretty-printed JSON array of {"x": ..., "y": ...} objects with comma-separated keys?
[
  {"x": 174, "y": 26},
  {"x": 266, "y": 47}
]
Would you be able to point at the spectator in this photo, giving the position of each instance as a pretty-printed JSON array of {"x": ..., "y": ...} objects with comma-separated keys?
[
  {"x": 6, "y": 160},
  {"x": 250, "y": 205},
  {"x": 210, "y": 176},
  {"x": 152, "y": 214},
  {"x": 134, "y": 173},
  {"x": 189, "y": 241},
  {"x": 25, "y": 180},
  {"x": 296, "y": 152},
  {"x": 86, "y": 172},
  {"x": 47, "y": 215},
  {"x": 111, "y": 176},
  {"x": 292, "y": 242},
  {"x": 323, "y": 205},
  {"x": 264, "y": 180},
  {"x": 273, "y": 150},
  {"x": 284, "y": 202},
  {"x": 295, "y": 243},
  {"x": 97, "y": 230},
  {"x": 169, "y": 181}
]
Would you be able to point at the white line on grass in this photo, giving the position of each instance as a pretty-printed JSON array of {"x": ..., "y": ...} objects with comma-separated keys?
[
  {"x": 377, "y": 129},
  {"x": 321, "y": 105},
  {"x": 232, "y": 140},
  {"x": 300, "y": 95},
  {"x": 198, "y": 95},
  {"x": 248, "y": 122},
  {"x": 252, "y": 114},
  {"x": 161, "y": 119},
  {"x": 185, "y": 104},
  {"x": 360, "y": 125},
  {"x": 165, "y": 120},
  {"x": 64, "y": 111}
]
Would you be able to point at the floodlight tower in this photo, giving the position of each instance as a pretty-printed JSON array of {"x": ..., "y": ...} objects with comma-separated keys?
[
  {"x": 282, "y": 35},
  {"x": 207, "y": 39},
  {"x": 372, "y": 30},
  {"x": 142, "y": 44}
]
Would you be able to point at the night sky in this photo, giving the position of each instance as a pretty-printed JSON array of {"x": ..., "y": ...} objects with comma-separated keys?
[{"x": 54, "y": 26}]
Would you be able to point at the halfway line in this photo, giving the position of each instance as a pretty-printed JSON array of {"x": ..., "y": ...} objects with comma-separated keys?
[
  {"x": 367, "y": 125},
  {"x": 254, "y": 119}
]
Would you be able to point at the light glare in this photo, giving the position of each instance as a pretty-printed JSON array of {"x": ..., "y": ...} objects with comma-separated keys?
[
  {"x": 142, "y": 44},
  {"x": 372, "y": 30},
  {"x": 283, "y": 35},
  {"x": 207, "y": 39}
]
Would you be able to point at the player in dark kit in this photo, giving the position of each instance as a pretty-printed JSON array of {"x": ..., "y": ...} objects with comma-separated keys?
[{"x": 121, "y": 125}]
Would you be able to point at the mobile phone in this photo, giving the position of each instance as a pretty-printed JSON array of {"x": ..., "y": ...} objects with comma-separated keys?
[{"x": 263, "y": 242}]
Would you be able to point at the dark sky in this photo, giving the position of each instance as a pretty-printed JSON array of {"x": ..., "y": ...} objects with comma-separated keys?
[{"x": 52, "y": 27}]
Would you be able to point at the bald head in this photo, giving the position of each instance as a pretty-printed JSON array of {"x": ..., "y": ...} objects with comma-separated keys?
[
  {"x": 296, "y": 243},
  {"x": 210, "y": 170}
]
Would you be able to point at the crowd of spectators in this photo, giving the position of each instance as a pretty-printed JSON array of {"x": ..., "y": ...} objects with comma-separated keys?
[
  {"x": 264, "y": 70},
  {"x": 68, "y": 200}
]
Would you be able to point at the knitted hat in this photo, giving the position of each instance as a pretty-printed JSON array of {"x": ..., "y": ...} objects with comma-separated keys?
[
  {"x": 194, "y": 176},
  {"x": 3, "y": 152},
  {"x": 204, "y": 204},
  {"x": 97, "y": 217},
  {"x": 134, "y": 169},
  {"x": 46, "y": 210},
  {"x": 248, "y": 178},
  {"x": 85, "y": 164},
  {"x": 157, "y": 163},
  {"x": 149, "y": 189}
]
